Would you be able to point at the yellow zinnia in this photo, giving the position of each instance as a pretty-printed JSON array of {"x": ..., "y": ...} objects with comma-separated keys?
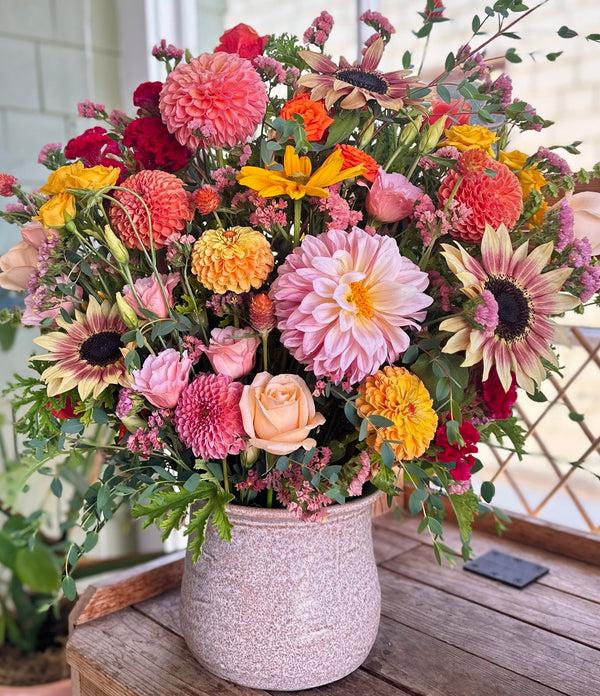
[
  {"x": 468, "y": 137},
  {"x": 296, "y": 180},
  {"x": 401, "y": 397},
  {"x": 57, "y": 211}
]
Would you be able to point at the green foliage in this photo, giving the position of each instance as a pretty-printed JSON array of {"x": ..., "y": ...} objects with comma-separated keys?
[
  {"x": 284, "y": 48},
  {"x": 466, "y": 506},
  {"x": 509, "y": 428}
]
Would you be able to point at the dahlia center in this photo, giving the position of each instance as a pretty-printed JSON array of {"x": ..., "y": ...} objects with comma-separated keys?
[
  {"x": 359, "y": 297},
  {"x": 103, "y": 348},
  {"x": 514, "y": 308},
  {"x": 370, "y": 81}
]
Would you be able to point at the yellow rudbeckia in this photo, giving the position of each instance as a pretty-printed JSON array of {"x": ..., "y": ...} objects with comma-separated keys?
[{"x": 297, "y": 179}]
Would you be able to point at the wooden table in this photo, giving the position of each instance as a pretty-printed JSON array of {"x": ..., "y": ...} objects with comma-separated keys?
[{"x": 443, "y": 631}]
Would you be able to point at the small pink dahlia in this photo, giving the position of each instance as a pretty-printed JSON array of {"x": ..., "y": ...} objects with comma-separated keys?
[
  {"x": 217, "y": 99},
  {"x": 208, "y": 418},
  {"x": 342, "y": 300}
]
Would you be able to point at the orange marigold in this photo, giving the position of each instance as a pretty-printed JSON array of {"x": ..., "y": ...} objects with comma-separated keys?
[
  {"x": 234, "y": 260},
  {"x": 206, "y": 200},
  {"x": 353, "y": 156},
  {"x": 316, "y": 119}
]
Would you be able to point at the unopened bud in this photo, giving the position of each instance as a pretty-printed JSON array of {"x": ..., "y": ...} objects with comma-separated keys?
[
  {"x": 249, "y": 456},
  {"x": 115, "y": 246},
  {"x": 410, "y": 132},
  {"x": 433, "y": 134},
  {"x": 367, "y": 136},
  {"x": 127, "y": 312}
]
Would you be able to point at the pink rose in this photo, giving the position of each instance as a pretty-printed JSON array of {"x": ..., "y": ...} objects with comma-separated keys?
[
  {"x": 586, "y": 214},
  {"x": 163, "y": 377},
  {"x": 391, "y": 197},
  {"x": 278, "y": 413},
  {"x": 150, "y": 294},
  {"x": 232, "y": 351},
  {"x": 19, "y": 263}
]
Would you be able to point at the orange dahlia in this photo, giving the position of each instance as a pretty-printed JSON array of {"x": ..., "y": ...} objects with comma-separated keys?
[
  {"x": 164, "y": 197},
  {"x": 235, "y": 259},
  {"x": 315, "y": 118},
  {"x": 490, "y": 191},
  {"x": 353, "y": 157}
]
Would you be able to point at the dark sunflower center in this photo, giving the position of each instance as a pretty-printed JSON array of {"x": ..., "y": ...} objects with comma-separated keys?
[
  {"x": 514, "y": 311},
  {"x": 365, "y": 80},
  {"x": 102, "y": 348}
]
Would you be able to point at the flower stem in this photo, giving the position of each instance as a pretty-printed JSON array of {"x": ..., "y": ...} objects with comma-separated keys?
[
  {"x": 265, "y": 350},
  {"x": 297, "y": 220},
  {"x": 225, "y": 476},
  {"x": 269, "y": 497}
]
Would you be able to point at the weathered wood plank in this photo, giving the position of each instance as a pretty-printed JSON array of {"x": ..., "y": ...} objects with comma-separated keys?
[
  {"x": 566, "y": 574},
  {"x": 124, "y": 589},
  {"x": 537, "y": 604},
  {"x": 128, "y": 654},
  {"x": 424, "y": 665},
  {"x": 386, "y": 545},
  {"x": 532, "y": 652},
  {"x": 88, "y": 688}
]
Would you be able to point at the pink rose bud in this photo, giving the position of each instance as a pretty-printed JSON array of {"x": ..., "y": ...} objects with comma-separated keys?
[
  {"x": 163, "y": 377},
  {"x": 586, "y": 214},
  {"x": 232, "y": 351},
  {"x": 391, "y": 197},
  {"x": 150, "y": 294}
]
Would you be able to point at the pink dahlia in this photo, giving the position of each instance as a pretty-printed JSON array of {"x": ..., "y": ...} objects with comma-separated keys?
[
  {"x": 167, "y": 201},
  {"x": 208, "y": 418},
  {"x": 341, "y": 300},
  {"x": 217, "y": 99},
  {"x": 492, "y": 199}
]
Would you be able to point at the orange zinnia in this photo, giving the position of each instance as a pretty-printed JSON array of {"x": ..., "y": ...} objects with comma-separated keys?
[
  {"x": 353, "y": 156},
  {"x": 316, "y": 120}
]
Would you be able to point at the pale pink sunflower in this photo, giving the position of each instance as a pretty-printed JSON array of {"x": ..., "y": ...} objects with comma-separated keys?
[
  {"x": 87, "y": 354},
  {"x": 526, "y": 300},
  {"x": 356, "y": 82}
]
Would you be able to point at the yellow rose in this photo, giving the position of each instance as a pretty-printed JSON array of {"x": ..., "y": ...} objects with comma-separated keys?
[
  {"x": 468, "y": 137},
  {"x": 530, "y": 178},
  {"x": 61, "y": 179},
  {"x": 94, "y": 178},
  {"x": 57, "y": 211}
]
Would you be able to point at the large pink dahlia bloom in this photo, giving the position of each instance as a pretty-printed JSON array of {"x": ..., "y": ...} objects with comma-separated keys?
[
  {"x": 217, "y": 99},
  {"x": 342, "y": 300}
]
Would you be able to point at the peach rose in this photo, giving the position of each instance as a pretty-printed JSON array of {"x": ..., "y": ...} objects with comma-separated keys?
[
  {"x": 586, "y": 214},
  {"x": 232, "y": 351},
  {"x": 278, "y": 413},
  {"x": 20, "y": 261}
]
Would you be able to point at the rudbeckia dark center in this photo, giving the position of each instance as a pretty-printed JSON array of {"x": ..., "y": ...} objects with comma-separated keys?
[
  {"x": 514, "y": 310},
  {"x": 102, "y": 348},
  {"x": 365, "y": 80}
]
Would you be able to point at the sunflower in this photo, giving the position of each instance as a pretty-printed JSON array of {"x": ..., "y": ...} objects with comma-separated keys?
[
  {"x": 357, "y": 83},
  {"x": 297, "y": 179},
  {"x": 87, "y": 354},
  {"x": 526, "y": 300}
]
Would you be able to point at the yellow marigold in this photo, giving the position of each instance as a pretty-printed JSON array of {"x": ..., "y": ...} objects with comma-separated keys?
[
  {"x": 398, "y": 395},
  {"x": 530, "y": 178},
  {"x": 57, "y": 211},
  {"x": 467, "y": 137},
  {"x": 235, "y": 259}
]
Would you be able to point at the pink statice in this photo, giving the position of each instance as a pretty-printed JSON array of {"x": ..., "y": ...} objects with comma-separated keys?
[
  {"x": 432, "y": 223},
  {"x": 581, "y": 253},
  {"x": 7, "y": 182},
  {"x": 144, "y": 442},
  {"x": 125, "y": 403},
  {"x": 555, "y": 160},
  {"x": 194, "y": 348},
  {"x": 378, "y": 23},
  {"x": 590, "y": 282},
  {"x": 362, "y": 475},
  {"x": 118, "y": 119},
  {"x": 425, "y": 218},
  {"x": 17, "y": 207},
  {"x": 164, "y": 51},
  {"x": 253, "y": 482},
  {"x": 486, "y": 313},
  {"x": 90, "y": 109},
  {"x": 224, "y": 304},
  {"x": 566, "y": 220},
  {"x": 446, "y": 152},
  {"x": 270, "y": 69},
  {"x": 319, "y": 30},
  {"x": 291, "y": 76},
  {"x": 333, "y": 296},
  {"x": 320, "y": 387},
  {"x": 502, "y": 86},
  {"x": 459, "y": 487},
  {"x": 535, "y": 123},
  {"x": 338, "y": 211},
  {"x": 246, "y": 154},
  {"x": 443, "y": 289},
  {"x": 208, "y": 418},
  {"x": 48, "y": 151},
  {"x": 267, "y": 212},
  {"x": 224, "y": 178}
]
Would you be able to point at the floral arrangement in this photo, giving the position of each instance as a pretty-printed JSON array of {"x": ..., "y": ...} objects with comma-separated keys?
[{"x": 290, "y": 280}]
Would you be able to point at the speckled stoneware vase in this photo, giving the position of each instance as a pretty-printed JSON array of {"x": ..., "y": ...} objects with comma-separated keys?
[{"x": 286, "y": 605}]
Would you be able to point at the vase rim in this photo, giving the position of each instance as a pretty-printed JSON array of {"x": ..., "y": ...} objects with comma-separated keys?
[{"x": 334, "y": 512}]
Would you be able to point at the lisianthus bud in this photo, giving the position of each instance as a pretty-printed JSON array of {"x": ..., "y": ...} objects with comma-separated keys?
[
  {"x": 433, "y": 134},
  {"x": 262, "y": 313},
  {"x": 207, "y": 200},
  {"x": 249, "y": 456},
  {"x": 410, "y": 132},
  {"x": 115, "y": 246},
  {"x": 127, "y": 312}
]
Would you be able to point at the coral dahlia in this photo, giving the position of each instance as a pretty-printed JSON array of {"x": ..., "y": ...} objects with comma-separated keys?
[
  {"x": 491, "y": 200},
  {"x": 526, "y": 299},
  {"x": 208, "y": 418},
  {"x": 235, "y": 259},
  {"x": 342, "y": 300},
  {"x": 218, "y": 99},
  {"x": 166, "y": 199},
  {"x": 401, "y": 397}
]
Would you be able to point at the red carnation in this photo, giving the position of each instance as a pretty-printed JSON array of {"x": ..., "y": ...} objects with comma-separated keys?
[
  {"x": 145, "y": 98},
  {"x": 498, "y": 403},
  {"x": 153, "y": 146},
  {"x": 93, "y": 147},
  {"x": 459, "y": 455},
  {"x": 244, "y": 41}
]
